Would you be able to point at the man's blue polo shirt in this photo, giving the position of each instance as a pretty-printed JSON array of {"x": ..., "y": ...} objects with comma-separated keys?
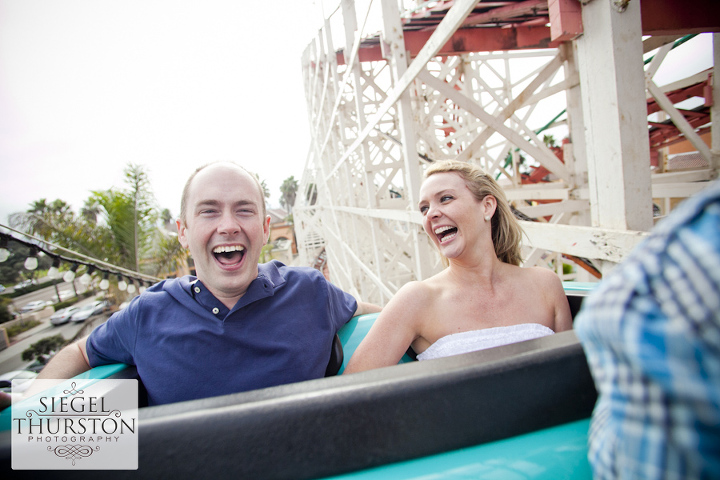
[{"x": 186, "y": 344}]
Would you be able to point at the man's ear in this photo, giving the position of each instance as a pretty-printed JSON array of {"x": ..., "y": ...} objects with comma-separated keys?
[
  {"x": 266, "y": 229},
  {"x": 182, "y": 238}
]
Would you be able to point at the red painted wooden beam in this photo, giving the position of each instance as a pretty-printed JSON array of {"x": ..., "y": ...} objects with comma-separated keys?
[
  {"x": 680, "y": 17},
  {"x": 468, "y": 40},
  {"x": 659, "y": 17}
]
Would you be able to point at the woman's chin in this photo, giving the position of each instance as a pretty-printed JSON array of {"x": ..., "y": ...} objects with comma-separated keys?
[{"x": 450, "y": 252}]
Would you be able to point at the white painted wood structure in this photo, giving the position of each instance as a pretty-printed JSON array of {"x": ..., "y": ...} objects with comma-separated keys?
[{"x": 377, "y": 124}]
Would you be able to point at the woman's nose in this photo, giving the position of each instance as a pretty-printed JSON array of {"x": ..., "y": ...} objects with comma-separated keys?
[{"x": 433, "y": 211}]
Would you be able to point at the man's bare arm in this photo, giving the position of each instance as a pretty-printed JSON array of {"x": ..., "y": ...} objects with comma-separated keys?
[
  {"x": 364, "y": 308},
  {"x": 68, "y": 362}
]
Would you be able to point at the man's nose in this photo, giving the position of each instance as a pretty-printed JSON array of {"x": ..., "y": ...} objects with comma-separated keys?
[{"x": 228, "y": 224}]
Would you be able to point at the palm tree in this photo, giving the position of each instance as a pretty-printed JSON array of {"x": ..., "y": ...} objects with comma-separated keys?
[
  {"x": 289, "y": 193},
  {"x": 128, "y": 237},
  {"x": 90, "y": 210},
  {"x": 166, "y": 217},
  {"x": 43, "y": 218},
  {"x": 144, "y": 211},
  {"x": 263, "y": 185}
]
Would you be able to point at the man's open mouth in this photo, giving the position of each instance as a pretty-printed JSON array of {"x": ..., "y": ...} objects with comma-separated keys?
[
  {"x": 446, "y": 233},
  {"x": 229, "y": 254}
]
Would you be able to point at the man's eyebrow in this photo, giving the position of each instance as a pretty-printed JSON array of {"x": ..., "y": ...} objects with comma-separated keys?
[
  {"x": 206, "y": 203},
  {"x": 242, "y": 203},
  {"x": 215, "y": 203}
]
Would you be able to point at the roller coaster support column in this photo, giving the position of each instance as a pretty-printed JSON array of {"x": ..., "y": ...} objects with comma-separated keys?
[
  {"x": 614, "y": 110},
  {"x": 394, "y": 46}
]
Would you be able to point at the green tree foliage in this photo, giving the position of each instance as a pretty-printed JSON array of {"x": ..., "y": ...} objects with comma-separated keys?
[
  {"x": 43, "y": 218},
  {"x": 288, "y": 189},
  {"x": 166, "y": 217},
  {"x": 549, "y": 141},
  {"x": 130, "y": 216},
  {"x": 263, "y": 185},
  {"x": 119, "y": 226},
  {"x": 13, "y": 269},
  {"x": 91, "y": 210},
  {"x": 166, "y": 256},
  {"x": 43, "y": 349},
  {"x": 5, "y": 315}
]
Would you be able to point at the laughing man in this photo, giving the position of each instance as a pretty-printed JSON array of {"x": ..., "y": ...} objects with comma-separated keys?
[{"x": 239, "y": 325}]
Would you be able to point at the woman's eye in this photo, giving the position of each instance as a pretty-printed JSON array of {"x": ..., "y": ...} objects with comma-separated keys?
[
  {"x": 445, "y": 198},
  {"x": 423, "y": 209}
]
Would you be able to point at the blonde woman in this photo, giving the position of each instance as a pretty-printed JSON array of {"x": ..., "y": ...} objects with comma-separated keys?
[{"x": 483, "y": 298}]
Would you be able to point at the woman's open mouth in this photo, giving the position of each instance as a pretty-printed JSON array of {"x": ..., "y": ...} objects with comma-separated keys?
[
  {"x": 229, "y": 255},
  {"x": 446, "y": 233}
]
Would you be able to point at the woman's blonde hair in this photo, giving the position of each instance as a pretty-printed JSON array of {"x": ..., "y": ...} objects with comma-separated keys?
[{"x": 506, "y": 231}]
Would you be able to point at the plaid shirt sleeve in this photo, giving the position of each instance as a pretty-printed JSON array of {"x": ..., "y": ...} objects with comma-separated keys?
[{"x": 651, "y": 333}]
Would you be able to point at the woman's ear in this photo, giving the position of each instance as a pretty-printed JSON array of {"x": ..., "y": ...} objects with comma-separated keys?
[{"x": 489, "y": 205}]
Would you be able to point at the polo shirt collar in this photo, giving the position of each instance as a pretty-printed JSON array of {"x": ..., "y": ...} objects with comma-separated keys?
[{"x": 268, "y": 280}]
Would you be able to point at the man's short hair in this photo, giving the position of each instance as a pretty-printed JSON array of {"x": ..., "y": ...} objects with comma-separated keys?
[{"x": 186, "y": 189}]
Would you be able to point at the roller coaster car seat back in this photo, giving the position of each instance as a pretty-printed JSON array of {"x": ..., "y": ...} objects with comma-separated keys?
[{"x": 336, "y": 357}]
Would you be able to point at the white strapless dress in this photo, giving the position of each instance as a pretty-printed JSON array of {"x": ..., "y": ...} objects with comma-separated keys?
[{"x": 474, "y": 340}]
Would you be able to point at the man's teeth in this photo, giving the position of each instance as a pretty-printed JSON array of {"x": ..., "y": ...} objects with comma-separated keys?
[{"x": 228, "y": 249}]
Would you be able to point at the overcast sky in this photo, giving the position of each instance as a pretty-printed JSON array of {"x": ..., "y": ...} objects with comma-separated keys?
[{"x": 88, "y": 86}]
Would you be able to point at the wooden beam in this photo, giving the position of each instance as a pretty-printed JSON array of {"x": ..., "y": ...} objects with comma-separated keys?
[
  {"x": 680, "y": 122},
  {"x": 539, "y": 152},
  {"x": 611, "y": 71},
  {"x": 466, "y": 40},
  {"x": 678, "y": 190},
  {"x": 658, "y": 41},
  {"x": 545, "y": 209},
  {"x": 449, "y": 24},
  {"x": 565, "y": 19},
  {"x": 518, "y": 102},
  {"x": 682, "y": 177},
  {"x": 549, "y": 191},
  {"x": 396, "y": 215},
  {"x": 506, "y": 12},
  {"x": 679, "y": 17},
  {"x": 588, "y": 242}
]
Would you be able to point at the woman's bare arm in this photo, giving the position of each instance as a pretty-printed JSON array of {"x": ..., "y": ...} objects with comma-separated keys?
[
  {"x": 563, "y": 317},
  {"x": 393, "y": 331}
]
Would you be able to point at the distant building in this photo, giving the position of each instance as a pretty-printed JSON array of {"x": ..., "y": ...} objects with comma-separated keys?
[{"x": 282, "y": 236}]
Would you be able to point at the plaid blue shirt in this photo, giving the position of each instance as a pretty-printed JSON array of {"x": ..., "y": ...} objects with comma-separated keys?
[{"x": 651, "y": 332}]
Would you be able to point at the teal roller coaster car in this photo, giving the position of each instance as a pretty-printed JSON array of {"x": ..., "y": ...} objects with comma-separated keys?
[{"x": 520, "y": 411}]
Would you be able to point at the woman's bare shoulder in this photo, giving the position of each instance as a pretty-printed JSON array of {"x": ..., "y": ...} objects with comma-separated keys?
[
  {"x": 539, "y": 273},
  {"x": 413, "y": 300},
  {"x": 552, "y": 285},
  {"x": 416, "y": 291}
]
